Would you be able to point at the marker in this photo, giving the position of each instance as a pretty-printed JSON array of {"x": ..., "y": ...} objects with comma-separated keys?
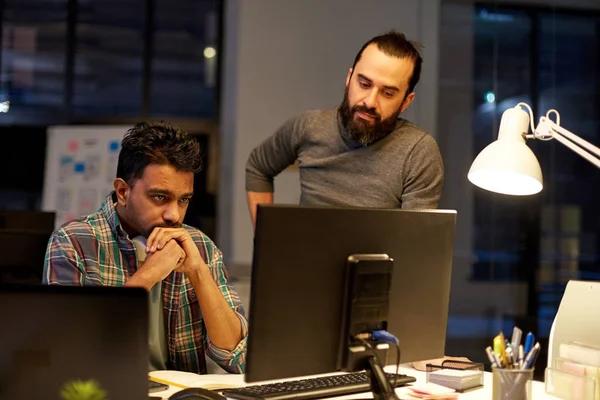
[
  {"x": 516, "y": 338},
  {"x": 499, "y": 350},
  {"x": 529, "y": 343}
]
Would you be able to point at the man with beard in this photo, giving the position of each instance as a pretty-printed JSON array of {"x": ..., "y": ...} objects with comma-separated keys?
[
  {"x": 360, "y": 153},
  {"x": 137, "y": 238}
]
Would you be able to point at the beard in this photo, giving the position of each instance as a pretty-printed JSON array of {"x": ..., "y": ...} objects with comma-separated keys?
[{"x": 362, "y": 131}]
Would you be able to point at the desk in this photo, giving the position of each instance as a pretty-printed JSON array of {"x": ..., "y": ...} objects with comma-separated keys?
[{"x": 538, "y": 392}]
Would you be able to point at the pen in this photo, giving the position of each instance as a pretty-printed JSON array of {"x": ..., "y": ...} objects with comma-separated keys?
[
  {"x": 531, "y": 357},
  {"x": 520, "y": 356},
  {"x": 492, "y": 357},
  {"x": 535, "y": 357},
  {"x": 529, "y": 339},
  {"x": 510, "y": 357}
]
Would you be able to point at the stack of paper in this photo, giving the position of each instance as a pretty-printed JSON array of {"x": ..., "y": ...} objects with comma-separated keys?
[
  {"x": 580, "y": 353},
  {"x": 457, "y": 379},
  {"x": 431, "y": 391}
]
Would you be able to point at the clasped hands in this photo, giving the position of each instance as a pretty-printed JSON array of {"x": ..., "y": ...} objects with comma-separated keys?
[{"x": 171, "y": 249}]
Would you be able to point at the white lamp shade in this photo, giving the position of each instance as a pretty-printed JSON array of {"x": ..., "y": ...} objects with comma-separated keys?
[{"x": 507, "y": 166}]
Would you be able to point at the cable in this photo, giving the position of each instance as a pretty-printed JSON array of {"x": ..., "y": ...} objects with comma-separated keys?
[
  {"x": 397, "y": 363},
  {"x": 387, "y": 337},
  {"x": 373, "y": 352}
]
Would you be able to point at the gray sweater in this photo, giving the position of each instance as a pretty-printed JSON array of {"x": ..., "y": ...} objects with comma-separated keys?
[{"x": 403, "y": 169}]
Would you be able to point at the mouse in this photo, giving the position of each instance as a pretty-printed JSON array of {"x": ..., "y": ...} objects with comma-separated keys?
[{"x": 196, "y": 393}]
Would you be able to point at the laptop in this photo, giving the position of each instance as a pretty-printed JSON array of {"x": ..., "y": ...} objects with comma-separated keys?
[{"x": 57, "y": 342}]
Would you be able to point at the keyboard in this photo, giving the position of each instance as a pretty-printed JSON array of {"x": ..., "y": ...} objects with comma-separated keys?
[{"x": 313, "y": 388}]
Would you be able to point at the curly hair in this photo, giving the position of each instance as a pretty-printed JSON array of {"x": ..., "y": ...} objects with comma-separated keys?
[{"x": 156, "y": 142}]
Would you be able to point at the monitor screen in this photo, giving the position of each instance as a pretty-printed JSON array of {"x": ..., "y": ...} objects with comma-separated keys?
[
  {"x": 23, "y": 240},
  {"x": 299, "y": 277},
  {"x": 56, "y": 340}
]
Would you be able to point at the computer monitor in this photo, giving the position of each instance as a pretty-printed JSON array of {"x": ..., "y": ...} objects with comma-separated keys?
[
  {"x": 60, "y": 339},
  {"x": 298, "y": 283},
  {"x": 24, "y": 237}
]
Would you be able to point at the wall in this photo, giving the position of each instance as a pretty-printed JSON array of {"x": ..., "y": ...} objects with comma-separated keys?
[{"x": 285, "y": 56}]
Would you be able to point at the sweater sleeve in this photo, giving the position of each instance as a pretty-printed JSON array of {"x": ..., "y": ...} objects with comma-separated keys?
[
  {"x": 274, "y": 155},
  {"x": 424, "y": 175}
]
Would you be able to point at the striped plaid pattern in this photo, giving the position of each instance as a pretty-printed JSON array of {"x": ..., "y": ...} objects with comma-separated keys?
[{"x": 95, "y": 250}]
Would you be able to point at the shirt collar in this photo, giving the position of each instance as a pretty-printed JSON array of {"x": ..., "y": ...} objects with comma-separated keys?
[{"x": 110, "y": 213}]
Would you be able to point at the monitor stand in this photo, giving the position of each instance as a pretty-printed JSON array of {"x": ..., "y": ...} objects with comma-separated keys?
[{"x": 367, "y": 357}]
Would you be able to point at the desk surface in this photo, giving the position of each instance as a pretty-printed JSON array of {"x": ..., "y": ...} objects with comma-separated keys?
[{"x": 538, "y": 392}]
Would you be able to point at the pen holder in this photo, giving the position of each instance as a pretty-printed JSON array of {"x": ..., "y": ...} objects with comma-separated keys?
[{"x": 511, "y": 384}]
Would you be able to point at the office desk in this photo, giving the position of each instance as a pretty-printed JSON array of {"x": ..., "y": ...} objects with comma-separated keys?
[{"x": 538, "y": 392}]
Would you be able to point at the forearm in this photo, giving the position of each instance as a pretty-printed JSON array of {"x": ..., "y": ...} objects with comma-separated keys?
[
  {"x": 146, "y": 276},
  {"x": 222, "y": 323},
  {"x": 256, "y": 198},
  {"x": 140, "y": 279}
]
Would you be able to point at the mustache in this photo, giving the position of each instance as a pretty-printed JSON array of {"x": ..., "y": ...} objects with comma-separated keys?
[
  {"x": 169, "y": 225},
  {"x": 367, "y": 111}
]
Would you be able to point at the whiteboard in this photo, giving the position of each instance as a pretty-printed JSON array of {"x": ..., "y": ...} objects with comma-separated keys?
[{"x": 81, "y": 165}]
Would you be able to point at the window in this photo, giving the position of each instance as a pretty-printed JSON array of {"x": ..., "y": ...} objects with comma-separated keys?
[
  {"x": 109, "y": 58},
  {"x": 185, "y": 58},
  {"x": 66, "y": 61},
  {"x": 33, "y": 59}
]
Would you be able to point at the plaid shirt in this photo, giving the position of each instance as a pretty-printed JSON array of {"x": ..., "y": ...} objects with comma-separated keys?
[{"x": 95, "y": 250}]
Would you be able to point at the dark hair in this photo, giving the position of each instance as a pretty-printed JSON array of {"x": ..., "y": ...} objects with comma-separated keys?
[
  {"x": 395, "y": 44},
  {"x": 156, "y": 142}
]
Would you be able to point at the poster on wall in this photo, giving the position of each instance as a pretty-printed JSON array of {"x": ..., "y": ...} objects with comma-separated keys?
[{"x": 81, "y": 165}]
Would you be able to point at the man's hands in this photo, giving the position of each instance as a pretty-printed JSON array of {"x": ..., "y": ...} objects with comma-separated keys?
[
  {"x": 256, "y": 198},
  {"x": 168, "y": 249},
  {"x": 161, "y": 238},
  {"x": 162, "y": 263},
  {"x": 158, "y": 265}
]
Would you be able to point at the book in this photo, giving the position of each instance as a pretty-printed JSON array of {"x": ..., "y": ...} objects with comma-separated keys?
[{"x": 184, "y": 380}]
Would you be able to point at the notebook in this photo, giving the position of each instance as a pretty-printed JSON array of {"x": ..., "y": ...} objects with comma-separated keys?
[
  {"x": 59, "y": 342},
  {"x": 183, "y": 380}
]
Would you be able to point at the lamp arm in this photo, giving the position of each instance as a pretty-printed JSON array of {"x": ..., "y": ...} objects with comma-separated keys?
[{"x": 547, "y": 128}]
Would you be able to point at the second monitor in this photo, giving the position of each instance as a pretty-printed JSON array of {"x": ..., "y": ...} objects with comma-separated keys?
[{"x": 298, "y": 277}]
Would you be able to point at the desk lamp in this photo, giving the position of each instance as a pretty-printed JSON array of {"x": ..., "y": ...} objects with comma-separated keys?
[{"x": 508, "y": 165}]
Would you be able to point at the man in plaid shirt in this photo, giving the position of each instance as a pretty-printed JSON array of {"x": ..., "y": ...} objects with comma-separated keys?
[{"x": 137, "y": 238}]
